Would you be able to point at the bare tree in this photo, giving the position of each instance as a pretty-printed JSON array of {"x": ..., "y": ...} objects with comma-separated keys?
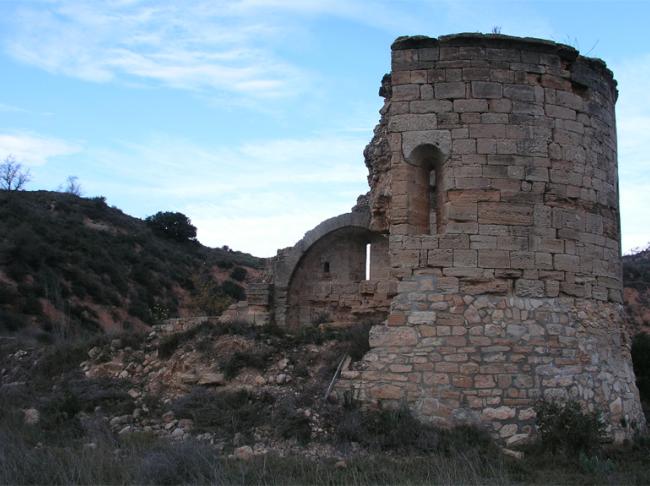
[
  {"x": 73, "y": 186},
  {"x": 12, "y": 175}
]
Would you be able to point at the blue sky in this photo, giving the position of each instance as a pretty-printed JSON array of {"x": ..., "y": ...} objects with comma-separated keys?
[{"x": 250, "y": 116}]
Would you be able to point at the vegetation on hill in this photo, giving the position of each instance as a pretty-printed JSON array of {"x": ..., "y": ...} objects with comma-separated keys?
[
  {"x": 636, "y": 278},
  {"x": 71, "y": 264},
  {"x": 636, "y": 270}
]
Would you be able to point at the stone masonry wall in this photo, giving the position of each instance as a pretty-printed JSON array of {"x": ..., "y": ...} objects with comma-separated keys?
[{"x": 494, "y": 171}]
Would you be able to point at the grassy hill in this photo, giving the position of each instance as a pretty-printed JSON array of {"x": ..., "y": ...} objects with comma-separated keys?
[
  {"x": 73, "y": 265},
  {"x": 636, "y": 275}
]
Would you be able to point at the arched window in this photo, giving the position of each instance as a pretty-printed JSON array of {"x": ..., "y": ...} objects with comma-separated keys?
[{"x": 424, "y": 192}]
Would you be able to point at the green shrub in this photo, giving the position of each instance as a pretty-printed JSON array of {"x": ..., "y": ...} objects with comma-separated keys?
[
  {"x": 233, "y": 290},
  {"x": 64, "y": 357},
  {"x": 358, "y": 339},
  {"x": 255, "y": 358},
  {"x": 238, "y": 274},
  {"x": 32, "y": 306},
  {"x": 565, "y": 428},
  {"x": 288, "y": 423},
  {"x": 11, "y": 321},
  {"x": 398, "y": 430},
  {"x": 224, "y": 412},
  {"x": 175, "y": 226},
  {"x": 8, "y": 294}
]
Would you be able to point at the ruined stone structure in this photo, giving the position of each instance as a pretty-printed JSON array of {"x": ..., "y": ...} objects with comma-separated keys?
[{"x": 493, "y": 221}]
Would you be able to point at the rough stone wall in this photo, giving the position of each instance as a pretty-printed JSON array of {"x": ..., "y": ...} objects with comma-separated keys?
[
  {"x": 323, "y": 277},
  {"x": 329, "y": 284},
  {"x": 494, "y": 171}
]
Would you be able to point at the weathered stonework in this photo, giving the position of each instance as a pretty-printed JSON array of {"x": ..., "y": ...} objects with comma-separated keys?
[{"x": 494, "y": 200}]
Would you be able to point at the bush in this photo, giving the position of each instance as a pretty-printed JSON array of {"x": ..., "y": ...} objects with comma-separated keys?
[
  {"x": 64, "y": 357},
  {"x": 255, "y": 358},
  {"x": 398, "y": 430},
  {"x": 290, "y": 424},
  {"x": 566, "y": 429},
  {"x": 358, "y": 339},
  {"x": 224, "y": 412},
  {"x": 233, "y": 290},
  {"x": 238, "y": 274},
  {"x": 174, "y": 226},
  {"x": 11, "y": 322}
]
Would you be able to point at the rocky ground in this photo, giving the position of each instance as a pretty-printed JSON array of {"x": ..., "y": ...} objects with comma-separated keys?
[{"x": 244, "y": 390}]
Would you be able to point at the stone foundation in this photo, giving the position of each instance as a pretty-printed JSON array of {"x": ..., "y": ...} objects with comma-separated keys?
[{"x": 486, "y": 359}]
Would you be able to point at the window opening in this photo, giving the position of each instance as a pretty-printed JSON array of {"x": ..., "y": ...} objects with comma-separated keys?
[
  {"x": 368, "y": 249},
  {"x": 326, "y": 267}
]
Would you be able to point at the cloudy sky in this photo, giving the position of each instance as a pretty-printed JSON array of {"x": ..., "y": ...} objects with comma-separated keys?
[{"x": 250, "y": 116}]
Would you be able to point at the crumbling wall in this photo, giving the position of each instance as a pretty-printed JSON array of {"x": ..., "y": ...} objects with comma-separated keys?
[
  {"x": 323, "y": 277},
  {"x": 494, "y": 171},
  {"x": 327, "y": 283}
]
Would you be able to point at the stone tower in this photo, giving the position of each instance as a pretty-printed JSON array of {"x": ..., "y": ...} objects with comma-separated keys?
[{"x": 493, "y": 175}]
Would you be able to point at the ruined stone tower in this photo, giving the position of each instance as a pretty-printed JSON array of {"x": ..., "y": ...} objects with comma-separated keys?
[{"x": 494, "y": 221}]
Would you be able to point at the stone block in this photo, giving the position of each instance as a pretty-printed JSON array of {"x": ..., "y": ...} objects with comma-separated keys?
[
  {"x": 504, "y": 213},
  {"x": 386, "y": 392},
  {"x": 568, "y": 263},
  {"x": 484, "y": 381},
  {"x": 486, "y": 286},
  {"x": 493, "y": 259},
  {"x": 449, "y": 90},
  {"x": 495, "y": 130},
  {"x": 486, "y": 89},
  {"x": 485, "y": 242},
  {"x": 412, "y": 122},
  {"x": 437, "y": 138},
  {"x": 472, "y": 105},
  {"x": 529, "y": 288},
  {"x": 473, "y": 195},
  {"x": 421, "y": 317},
  {"x": 430, "y": 106},
  {"x": 465, "y": 258},
  {"x": 464, "y": 146},
  {"x": 461, "y": 211},
  {"x": 453, "y": 241},
  {"x": 382, "y": 336},
  {"x": 499, "y": 413},
  {"x": 406, "y": 92},
  {"x": 522, "y": 259},
  {"x": 440, "y": 258}
]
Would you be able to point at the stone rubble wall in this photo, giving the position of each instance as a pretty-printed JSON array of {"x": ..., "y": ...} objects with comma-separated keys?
[{"x": 514, "y": 293}]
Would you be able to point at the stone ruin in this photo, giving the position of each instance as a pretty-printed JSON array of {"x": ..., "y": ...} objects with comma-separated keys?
[{"x": 487, "y": 251}]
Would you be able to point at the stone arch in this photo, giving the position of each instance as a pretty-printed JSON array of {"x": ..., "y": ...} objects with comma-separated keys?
[
  {"x": 329, "y": 258},
  {"x": 425, "y": 180}
]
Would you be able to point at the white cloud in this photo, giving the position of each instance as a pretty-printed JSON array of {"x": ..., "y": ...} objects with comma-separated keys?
[
  {"x": 258, "y": 235},
  {"x": 225, "y": 46},
  {"x": 33, "y": 149},
  {"x": 255, "y": 197},
  {"x": 191, "y": 45}
]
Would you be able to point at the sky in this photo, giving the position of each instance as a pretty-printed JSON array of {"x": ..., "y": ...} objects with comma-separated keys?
[{"x": 250, "y": 116}]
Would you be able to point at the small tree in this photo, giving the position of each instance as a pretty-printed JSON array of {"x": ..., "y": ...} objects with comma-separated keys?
[
  {"x": 12, "y": 175},
  {"x": 72, "y": 185},
  {"x": 175, "y": 226}
]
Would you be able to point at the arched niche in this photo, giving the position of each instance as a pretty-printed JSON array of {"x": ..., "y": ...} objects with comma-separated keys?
[
  {"x": 425, "y": 178},
  {"x": 336, "y": 279}
]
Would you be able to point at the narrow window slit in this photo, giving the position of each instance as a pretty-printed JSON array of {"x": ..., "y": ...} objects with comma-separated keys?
[{"x": 368, "y": 248}]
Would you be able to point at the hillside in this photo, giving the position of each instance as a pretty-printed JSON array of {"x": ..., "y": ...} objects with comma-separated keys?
[
  {"x": 70, "y": 265},
  {"x": 636, "y": 275}
]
